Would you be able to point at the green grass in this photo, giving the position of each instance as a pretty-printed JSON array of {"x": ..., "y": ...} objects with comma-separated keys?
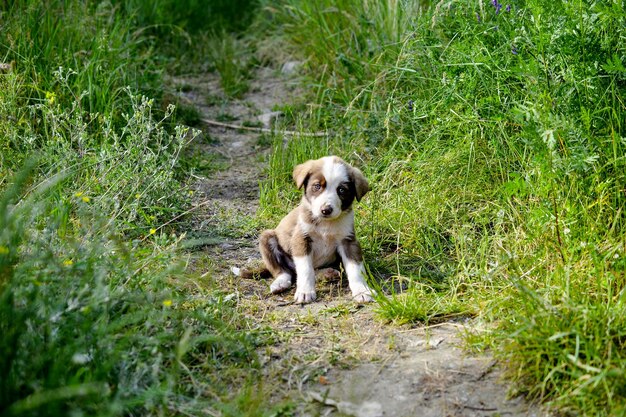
[
  {"x": 92, "y": 323},
  {"x": 99, "y": 314},
  {"x": 493, "y": 139},
  {"x": 231, "y": 58},
  {"x": 76, "y": 97}
]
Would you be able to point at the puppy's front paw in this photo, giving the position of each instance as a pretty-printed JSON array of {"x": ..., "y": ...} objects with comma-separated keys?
[
  {"x": 281, "y": 283},
  {"x": 305, "y": 297},
  {"x": 362, "y": 294},
  {"x": 363, "y": 298}
]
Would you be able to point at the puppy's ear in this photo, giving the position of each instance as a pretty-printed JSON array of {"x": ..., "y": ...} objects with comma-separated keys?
[
  {"x": 301, "y": 172},
  {"x": 360, "y": 183}
]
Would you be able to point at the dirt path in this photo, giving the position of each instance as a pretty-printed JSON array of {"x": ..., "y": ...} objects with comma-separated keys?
[{"x": 331, "y": 357}]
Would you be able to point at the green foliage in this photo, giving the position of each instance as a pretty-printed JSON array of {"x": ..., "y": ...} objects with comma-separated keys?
[
  {"x": 342, "y": 39},
  {"x": 40, "y": 38},
  {"x": 493, "y": 135},
  {"x": 230, "y": 57},
  {"x": 97, "y": 314},
  {"x": 568, "y": 344},
  {"x": 96, "y": 325},
  {"x": 190, "y": 16},
  {"x": 71, "y": 98},
  {"x": 195, "y": 36},
  {"x": 126, "y": 171}
]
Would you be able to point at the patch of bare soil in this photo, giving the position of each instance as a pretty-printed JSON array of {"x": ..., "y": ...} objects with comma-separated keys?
[{"x": 331, "y": 357}]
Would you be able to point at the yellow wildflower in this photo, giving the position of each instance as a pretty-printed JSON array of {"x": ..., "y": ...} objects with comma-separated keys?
[
  {"x": 86, "y": 199},
  {"x": 50, "y": 97},
  {"x": 68, "y": 262},
  {"x": 167, "y": 303},
  {"x": 152, "y": 231}
]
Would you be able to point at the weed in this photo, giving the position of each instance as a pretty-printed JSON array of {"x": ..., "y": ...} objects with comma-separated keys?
[
  {"x": 98, "y": 315},
  {"x": 93, "y": 324},
  {"x": 492, "y": 134},
  {"x": 192, "y": 16},
  {"x": 228, "y": 55},
  {"x": 88, "y": 121}
]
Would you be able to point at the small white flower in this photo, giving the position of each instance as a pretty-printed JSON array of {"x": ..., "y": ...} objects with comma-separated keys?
[
  {"x": 81, "y": 358},
  {"x": 230, "y": 297}
]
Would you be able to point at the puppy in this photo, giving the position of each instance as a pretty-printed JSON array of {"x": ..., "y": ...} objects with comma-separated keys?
[{"x": 319, "y": 231}]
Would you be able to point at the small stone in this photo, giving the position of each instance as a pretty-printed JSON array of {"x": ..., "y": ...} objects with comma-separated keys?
[
  {"x": 230, "y": 297},
  {"x": 268, "y": 118},
  {"x": 291, "y": 67},
  {"x": 434, "y": 342}
]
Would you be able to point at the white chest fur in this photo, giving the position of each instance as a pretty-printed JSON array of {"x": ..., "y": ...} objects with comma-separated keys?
[{"x": 326, "y": 236}]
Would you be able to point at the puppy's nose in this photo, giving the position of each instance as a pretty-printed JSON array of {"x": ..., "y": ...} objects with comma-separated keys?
[{"x": 327, "y": 210}]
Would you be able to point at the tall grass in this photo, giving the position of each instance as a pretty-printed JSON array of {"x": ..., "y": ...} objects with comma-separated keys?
[
  {"x": 93, "y": 324},
  {"x": 191, "y": 16},
  {"x": 98, "y": 315},
  {"x": 72, "y": 96},
  {"x": 493, "y": 136},
  {"x": 91, "y": 39},
  {"x": 195, "y": 37},
  {"x": 343, "y": 40}
]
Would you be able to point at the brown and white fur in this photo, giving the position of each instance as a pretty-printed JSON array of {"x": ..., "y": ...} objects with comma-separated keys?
[{"x": 318, "y": 232}]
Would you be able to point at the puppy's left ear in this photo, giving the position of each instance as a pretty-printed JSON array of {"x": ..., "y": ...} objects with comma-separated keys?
[
  {"x": 301, "y": 173},
  {"x": 360, "y": 183}
]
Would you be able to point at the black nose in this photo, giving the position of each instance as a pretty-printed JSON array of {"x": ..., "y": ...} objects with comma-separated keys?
[{"x": 327, "y": 211}]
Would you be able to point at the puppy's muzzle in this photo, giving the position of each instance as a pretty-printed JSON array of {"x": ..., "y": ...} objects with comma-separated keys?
[{"x": 327, "y": 210}]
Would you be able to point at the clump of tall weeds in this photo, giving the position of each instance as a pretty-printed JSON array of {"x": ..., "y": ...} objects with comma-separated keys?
[
  {"x": 96, "y": 312},
  {"x": 92, "y": 323},
  {"x": 493, "y": 136}
]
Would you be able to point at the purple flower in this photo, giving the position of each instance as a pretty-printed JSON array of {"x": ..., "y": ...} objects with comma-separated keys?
[
  {"x": 410, "y": 105},
  {"x": 478, "y": 17},
  {"x": 514, "y": 50},
  {"x": 497, "y": 5},
  {"x": 508, "y": 8}
]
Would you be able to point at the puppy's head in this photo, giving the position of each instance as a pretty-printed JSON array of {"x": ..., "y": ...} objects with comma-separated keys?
[{"x": 330, "y": 185}]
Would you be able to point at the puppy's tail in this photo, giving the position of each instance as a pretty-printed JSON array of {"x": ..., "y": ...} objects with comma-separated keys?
[{"x": 254, "y": 272}]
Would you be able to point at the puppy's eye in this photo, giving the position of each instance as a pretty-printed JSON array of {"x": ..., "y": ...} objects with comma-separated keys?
[
  {"x": 341, "y": 190},
  {"x": 317, "y": 186}
]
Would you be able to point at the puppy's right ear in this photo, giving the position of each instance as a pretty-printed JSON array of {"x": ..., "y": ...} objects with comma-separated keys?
[
  {"x": 301, "y": 173},
  {"x": 360, "y": 183}
]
